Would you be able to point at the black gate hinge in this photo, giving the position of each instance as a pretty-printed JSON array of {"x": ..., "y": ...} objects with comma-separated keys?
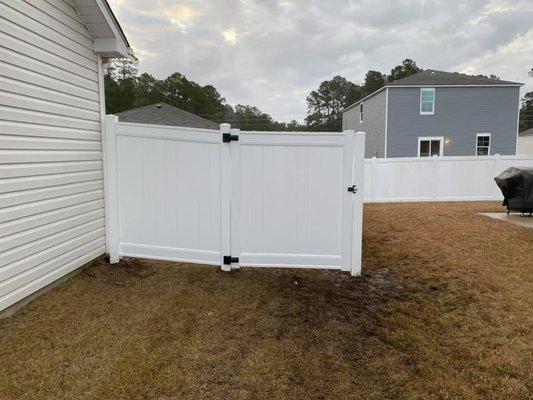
[
  {"x": 228, "y": 260},
  {"x": 352, "y": 189},
  {"x": 228, "y": 137}
]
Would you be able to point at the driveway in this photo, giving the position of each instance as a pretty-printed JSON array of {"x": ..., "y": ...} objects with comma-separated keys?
[{"x": 442, "y": 311}]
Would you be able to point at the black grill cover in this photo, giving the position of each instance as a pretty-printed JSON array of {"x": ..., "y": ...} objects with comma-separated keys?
[{"x": 516, "y": 185}]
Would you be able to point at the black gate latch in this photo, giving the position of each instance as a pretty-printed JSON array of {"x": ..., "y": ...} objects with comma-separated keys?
[
  {"x": 228, "y": 137},
  {"x": 352, "y": 189}
]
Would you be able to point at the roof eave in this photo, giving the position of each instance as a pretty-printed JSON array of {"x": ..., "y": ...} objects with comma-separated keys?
[
  {"x": 116, "y": 45},
  {"x": 364, "y": 98},
  {"x": 517, "y": 84}
]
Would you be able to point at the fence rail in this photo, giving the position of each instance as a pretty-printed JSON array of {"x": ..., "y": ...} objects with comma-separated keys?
[{"x": 436, "y": 178}]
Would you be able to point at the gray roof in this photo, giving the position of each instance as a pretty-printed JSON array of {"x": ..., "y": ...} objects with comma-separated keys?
[
  {"x": 437, "y": 78},
  {"x": 432, "y": 77},
  {"x": 528, "y": 132},
  {"x": 164, "y": 114}
]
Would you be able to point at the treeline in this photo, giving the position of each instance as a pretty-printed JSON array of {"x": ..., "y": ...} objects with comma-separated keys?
[
  {"x": 325, "y": 105},
  {"x": 126, "y": 89}
]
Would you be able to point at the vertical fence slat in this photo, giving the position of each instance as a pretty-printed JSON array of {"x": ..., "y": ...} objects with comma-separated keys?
[
  {"x": 111, "y": 188},
  {"x": 235, "y": 152},
  {"x": 373, "y": 178},
  {"x": 359, "y": 181},
  {"x": 347, "y": 198},
  {"x": 225, "y": 198}
]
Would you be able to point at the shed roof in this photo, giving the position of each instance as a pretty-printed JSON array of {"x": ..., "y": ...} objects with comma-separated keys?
[{"x": 165, "y": 114}]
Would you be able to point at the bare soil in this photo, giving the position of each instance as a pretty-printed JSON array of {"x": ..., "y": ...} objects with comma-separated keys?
[{"x": 443, "y": 310}]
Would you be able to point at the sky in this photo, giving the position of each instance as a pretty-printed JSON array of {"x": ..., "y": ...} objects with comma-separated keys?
[{"x": 272, "y": 53}]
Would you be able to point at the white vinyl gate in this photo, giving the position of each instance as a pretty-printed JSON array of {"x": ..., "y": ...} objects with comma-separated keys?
[{"x": 234, "y": 198}]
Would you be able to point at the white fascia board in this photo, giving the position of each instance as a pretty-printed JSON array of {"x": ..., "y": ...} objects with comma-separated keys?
[
  {"x": 110, "y": 48},
  {"x": 114, "y": 26},
  {"x": 366, "y": 97},
  {"x": 115, "y": 46},
  {"x": 435, "y": 86}
]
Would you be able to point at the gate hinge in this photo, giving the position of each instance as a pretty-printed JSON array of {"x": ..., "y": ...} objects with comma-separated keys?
[
  {"x": 228, "y": 260},
  {"x": 228, "y": 137},
  {"x": 352, "y": 189}
]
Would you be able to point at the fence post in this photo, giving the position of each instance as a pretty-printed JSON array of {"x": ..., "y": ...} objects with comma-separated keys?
[
  {"x": 235, "y": 152},
  {"x": 225, "y": 199},
  {"x": 434, "y": 181},
  {"x": 496, "y": 191},
  {"x": 111, "y": 188},
  {"x": 359, "y": 181},
  {"x": 347, "y": 200},
  {"x": 373, "y": 179}
]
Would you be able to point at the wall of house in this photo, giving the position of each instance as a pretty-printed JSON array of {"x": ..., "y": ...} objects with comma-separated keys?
[
  {"x": 373, "y": 123},
  {"x": 460, "y": 113},
  {"x": 51, "y": 188}
]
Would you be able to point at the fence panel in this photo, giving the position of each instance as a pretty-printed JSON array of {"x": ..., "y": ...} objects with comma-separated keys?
[
  {"x": 436, "y": 178},
  {"x": 291, "y": 193},
  {"x": 234, "y": 198},
  {"x": 166, "y": 192}
]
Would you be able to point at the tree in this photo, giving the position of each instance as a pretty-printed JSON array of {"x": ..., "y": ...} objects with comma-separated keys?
[
  {"x": 213, "y": 104},
  {"x": 325, "y": 105},
  {"x": 407, "y": 68},
  {"x": 122, "y": 68},
  {"x": 491, "y": 76},
  {"x": 526, "y": 112},
  {"x": 119, "y": 83},
  {"x": 374, "y": 80},
  {"x": 250, "y": 118}
]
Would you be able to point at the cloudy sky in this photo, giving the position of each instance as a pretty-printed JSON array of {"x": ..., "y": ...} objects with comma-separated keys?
[{"x": 271, "y": 53}]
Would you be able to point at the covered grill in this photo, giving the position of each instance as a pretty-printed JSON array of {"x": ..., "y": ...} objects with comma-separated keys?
[{"x": 516, "y": 185}]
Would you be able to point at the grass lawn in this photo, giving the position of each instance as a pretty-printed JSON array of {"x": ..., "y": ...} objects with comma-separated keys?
[{"x": 444, "y": 310}]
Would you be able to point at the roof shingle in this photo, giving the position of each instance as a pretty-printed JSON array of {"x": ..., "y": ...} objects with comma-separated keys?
[
  {"x": 436, "y": 78},
  {"x": 164, "y": 114}
]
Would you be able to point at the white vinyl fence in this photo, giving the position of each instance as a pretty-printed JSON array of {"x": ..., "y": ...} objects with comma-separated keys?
[
  {"x": 234, "y": 198},
  {"x": 437, "y": 178}
]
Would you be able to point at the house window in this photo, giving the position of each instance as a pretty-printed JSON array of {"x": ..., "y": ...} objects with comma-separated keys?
[
  {"x": 430, "y": 146},
  {"x": 427, "y": 101},
  {"x": 361, "y": 113},
  {"x": 483, "y": 144}
]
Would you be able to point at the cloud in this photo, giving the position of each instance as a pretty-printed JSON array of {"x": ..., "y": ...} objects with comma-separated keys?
[
  {"x": 272, "y": 53},
  {"x": 230, "y": 35}
]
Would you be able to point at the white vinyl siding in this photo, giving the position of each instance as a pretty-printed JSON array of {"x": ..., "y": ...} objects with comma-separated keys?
[{"x": 51, "y": 171}]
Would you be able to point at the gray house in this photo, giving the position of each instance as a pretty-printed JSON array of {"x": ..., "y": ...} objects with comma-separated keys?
[
  {"x": 438, "y": 113},
  {"x": 164, "y": 114}
]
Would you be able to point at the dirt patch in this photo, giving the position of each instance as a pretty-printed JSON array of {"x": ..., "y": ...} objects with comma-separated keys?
[{"x": 442, "y": 311}]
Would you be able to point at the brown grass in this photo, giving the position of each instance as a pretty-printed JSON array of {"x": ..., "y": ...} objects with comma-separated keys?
[{"x": 443, "y": 311}]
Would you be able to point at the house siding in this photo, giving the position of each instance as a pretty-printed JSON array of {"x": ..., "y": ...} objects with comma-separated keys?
[
  {"x": 374, "y": 117},
  {"x": 460, "y": 113},
  {"x": 51, "y": 172}
]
